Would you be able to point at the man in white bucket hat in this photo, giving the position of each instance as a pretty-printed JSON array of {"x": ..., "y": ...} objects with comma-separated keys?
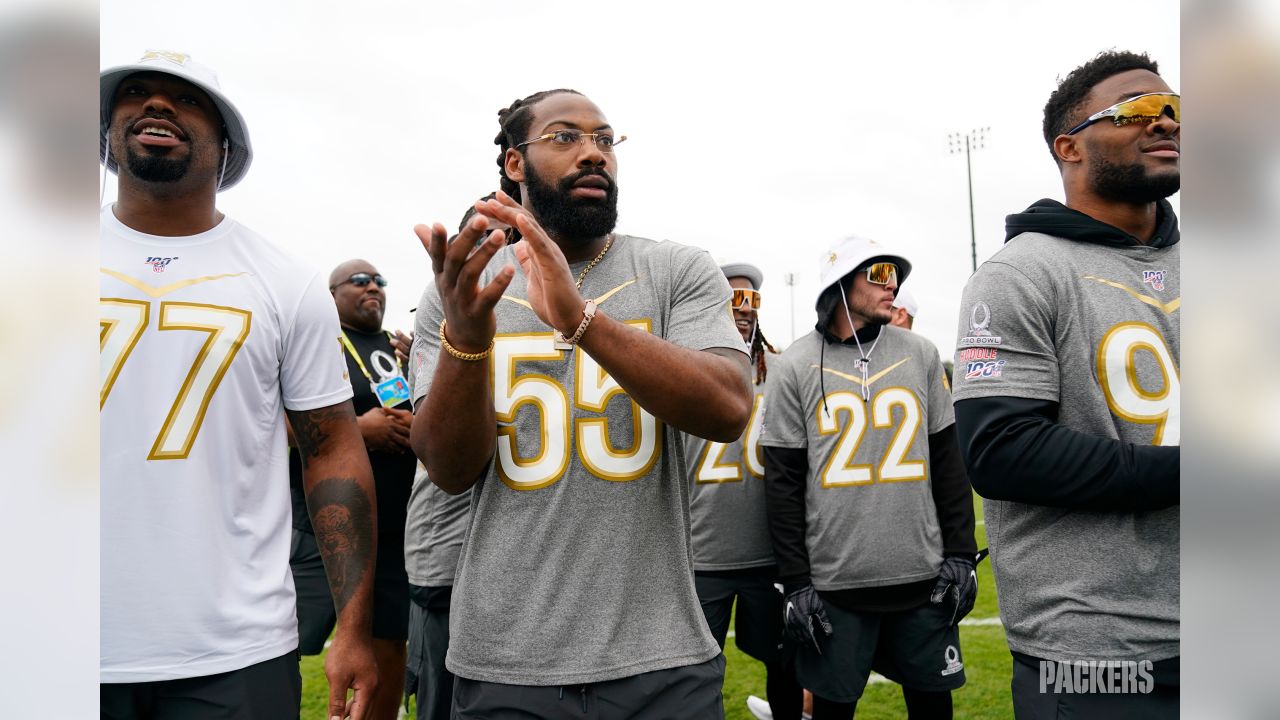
[
  {"x": 210, "y": 335},
  {"x": 870, "y": 511}
]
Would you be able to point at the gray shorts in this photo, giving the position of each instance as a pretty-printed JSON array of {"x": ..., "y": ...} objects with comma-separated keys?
[
  {"x": 757, "y": 627},
  {"x": 691, "y": 692},
  {"x": 917, "y": 648},
  {"x": 425, "y": 673}
]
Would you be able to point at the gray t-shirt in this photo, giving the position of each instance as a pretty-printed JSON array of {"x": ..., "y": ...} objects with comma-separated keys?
[
  {"x": 730, "y": 525},
  {"x": 577, "y": 565},
  {"x": 436, "y": 524},
  {"x": 1094, "y": 328},
  {"x": 869, "y": 509}
]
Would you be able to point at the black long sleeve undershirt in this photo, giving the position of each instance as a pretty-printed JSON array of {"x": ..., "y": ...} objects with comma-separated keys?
[
  {"x": 1016, "y": 450},
  {"x": 952, "y": 494},
  {"x": 785, "y": 474},
  {"x": 785, "y": 471}
]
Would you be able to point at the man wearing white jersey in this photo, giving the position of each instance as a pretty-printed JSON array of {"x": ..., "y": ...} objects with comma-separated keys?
[
  {"x": 558, "y": 393},
  {"x": 210, "y": 335},
  {"x": 869, "y": 508}
]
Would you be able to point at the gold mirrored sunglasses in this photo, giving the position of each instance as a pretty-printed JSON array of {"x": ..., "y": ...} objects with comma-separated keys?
[
  {"x": 1143, "y": 108},
  {"x": 744, "y": 299},
  {"x": 882, "y": 273}
]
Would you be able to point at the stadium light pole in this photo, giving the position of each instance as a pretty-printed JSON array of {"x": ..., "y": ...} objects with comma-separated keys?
[{"x": 967, "y": 142}]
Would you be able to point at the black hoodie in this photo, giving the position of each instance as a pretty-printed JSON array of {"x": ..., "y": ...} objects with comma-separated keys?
[
  {"x": 1014, "y": 447},
  {"x": 1051, "y": 217}
]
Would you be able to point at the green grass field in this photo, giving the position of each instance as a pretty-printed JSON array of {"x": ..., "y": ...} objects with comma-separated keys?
[{"x": 986, "y": 664}]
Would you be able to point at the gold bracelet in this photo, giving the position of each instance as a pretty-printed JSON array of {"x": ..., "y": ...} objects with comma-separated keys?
[{"x": 469, "y": 357}]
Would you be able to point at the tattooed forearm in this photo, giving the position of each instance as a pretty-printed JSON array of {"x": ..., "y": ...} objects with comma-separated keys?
[
  {"x": 310, "y": 427},
  {"x": 341, "y": 515}
]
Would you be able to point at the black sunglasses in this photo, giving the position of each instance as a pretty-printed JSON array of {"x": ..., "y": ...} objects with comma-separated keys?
[{"x": 362, "y": 279}]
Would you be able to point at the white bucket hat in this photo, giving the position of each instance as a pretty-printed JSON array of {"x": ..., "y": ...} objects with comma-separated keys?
[
  {"x": 743, "y": 269},
  {"x": 239, "y": 152},
  {"x": 852, "y": 253}
]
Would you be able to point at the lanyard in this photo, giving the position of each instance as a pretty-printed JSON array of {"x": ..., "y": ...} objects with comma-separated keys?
[{"x": 346, "y": 343}]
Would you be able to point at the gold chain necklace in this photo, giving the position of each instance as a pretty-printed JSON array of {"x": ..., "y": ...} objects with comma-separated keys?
[{"x": 583, "y": 275}]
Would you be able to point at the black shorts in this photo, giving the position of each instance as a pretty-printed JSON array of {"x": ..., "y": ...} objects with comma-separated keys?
[
  {"x": 316, "y": 616},
  {"x": 691, "y": 692},
  {"x": 917, "y": 648},
  {"x": 425, "y": 673},
  {"x": 757, "y": 628},
  {"x": 1029, "y": 703},
  {"x": 269, "y": 689}
]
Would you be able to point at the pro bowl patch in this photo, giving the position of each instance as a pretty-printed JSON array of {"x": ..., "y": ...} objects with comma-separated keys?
[{"x": 980, "y": 327}]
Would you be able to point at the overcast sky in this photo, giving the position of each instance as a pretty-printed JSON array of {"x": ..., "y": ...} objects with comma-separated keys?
[{"x": 761, "y": 132}]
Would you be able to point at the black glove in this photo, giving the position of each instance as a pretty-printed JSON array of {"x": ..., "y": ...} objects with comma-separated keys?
[
  {"x": 957, "y": 585},
  {"x": 801, "y": 613}
]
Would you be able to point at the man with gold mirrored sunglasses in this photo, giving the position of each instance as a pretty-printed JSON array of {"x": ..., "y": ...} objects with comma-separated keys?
[
  {"x": 1067, "y": 404},
  {"x": 733, "y": 559}
]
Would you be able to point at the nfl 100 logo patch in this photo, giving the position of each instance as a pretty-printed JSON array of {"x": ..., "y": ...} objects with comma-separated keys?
[
  {"x": 984, "y": 369},
  {"x": 1154, "y": 278},
  {"x": 158, "y": 264}
]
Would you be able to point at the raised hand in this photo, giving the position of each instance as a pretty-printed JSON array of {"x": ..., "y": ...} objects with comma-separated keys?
[
  {"x": 551, "y": 292},
  {"x": 402, "y": 344},
  {"x": 468, "y": 308}
]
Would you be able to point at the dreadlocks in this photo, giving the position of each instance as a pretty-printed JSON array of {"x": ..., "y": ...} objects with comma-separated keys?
[
  {"x": 759, "y": 345},
  {"x": 513, "y": 129}
]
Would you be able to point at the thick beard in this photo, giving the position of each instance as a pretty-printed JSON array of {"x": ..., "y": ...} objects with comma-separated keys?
[
  {"x": 572, "y": 220},
  {"x": 1130, "y": 184},
  {"x": 156, "y": 168}
]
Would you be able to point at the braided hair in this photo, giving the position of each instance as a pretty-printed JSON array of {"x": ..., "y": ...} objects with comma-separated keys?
[
  {"x": 513, "y": 129},
  {"x": 759, "y": 345}
]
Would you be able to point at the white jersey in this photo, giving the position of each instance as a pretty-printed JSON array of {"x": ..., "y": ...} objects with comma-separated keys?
[{"x": 205, "y": 340}]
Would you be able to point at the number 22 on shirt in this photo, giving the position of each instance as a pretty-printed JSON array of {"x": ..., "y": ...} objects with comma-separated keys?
[{"x": 894, "y": 467}]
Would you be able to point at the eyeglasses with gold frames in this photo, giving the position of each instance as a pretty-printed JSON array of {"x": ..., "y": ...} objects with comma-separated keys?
[{"x": 570, "y": 137}]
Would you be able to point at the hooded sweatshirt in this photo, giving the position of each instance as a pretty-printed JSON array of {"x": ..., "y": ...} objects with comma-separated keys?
[
  {"x": 1013, "y": 444},
  {"x": 1067, "y": 409}
]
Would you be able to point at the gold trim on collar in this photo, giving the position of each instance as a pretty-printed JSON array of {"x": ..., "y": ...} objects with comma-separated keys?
[{"x": 163, "y": 290}]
